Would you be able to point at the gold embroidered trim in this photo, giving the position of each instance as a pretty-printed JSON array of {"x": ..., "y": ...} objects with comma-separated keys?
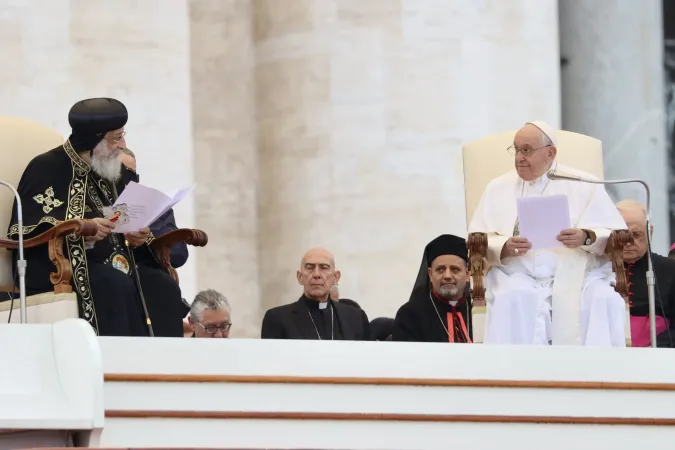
[
  {"x": 47, "y": 200},
  {"x": 27, "y": 229},
  {"x": 75, "y": 158},
  {"x": 75, "y": 244}
]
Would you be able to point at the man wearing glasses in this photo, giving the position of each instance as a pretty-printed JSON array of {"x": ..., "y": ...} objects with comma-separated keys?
[
  {"x": 636, "y": 261},
  {"x": 210, "y": 315},
  {"x": 560, "y": 296},
  {"x": 121, "y": 289}
]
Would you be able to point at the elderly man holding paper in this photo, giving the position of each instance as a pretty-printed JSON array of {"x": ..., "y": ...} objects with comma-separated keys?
[
  {"x": 121, "y": 289},
  {"x": 549, "y": 280}
]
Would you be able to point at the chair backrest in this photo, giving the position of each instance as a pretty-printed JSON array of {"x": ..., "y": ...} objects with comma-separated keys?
[
  {"x": 20, "y": 141},
  {"x": 488, "y": 158}
]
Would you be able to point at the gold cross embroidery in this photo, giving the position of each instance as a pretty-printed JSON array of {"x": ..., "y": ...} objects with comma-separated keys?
[{"x": 47, "y": 200}]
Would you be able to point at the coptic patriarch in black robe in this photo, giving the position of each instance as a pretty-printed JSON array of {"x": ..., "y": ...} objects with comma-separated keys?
[
  {"x": 439, "y": 309},
  {"x": 77, "y": 181}
]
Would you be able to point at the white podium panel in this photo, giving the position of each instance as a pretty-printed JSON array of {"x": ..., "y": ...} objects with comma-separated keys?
[
  {"x": 51, "y": 384},
  {"x": 384, "y": 395}
]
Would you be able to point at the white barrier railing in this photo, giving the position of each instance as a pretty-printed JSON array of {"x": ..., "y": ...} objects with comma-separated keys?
[
  {"x": 51, "y": 385},
  {"x": 384, "y": 395}
]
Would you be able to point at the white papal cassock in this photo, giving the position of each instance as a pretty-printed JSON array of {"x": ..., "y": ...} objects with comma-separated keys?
[{"x": 562, "y": 296}]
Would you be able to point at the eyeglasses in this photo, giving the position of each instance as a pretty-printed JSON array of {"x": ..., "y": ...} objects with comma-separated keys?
[
  {"x": 117, "y": 138},
  {"x": 527, "y": 151},
  {"x": 213, "y": 329}
]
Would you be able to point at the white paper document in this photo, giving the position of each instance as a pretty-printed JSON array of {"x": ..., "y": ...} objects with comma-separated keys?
[
  {"x": 541, "y": 219},
  {"x": 138, "y": 206}
]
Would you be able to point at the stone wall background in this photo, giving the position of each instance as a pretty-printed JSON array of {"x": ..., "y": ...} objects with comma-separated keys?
[{"x": 336, "y": 123}]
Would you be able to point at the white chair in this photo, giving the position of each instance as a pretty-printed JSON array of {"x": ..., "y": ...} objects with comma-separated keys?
[
  {"x": 20, "y": 141},
  {"x": 487, "y": 158}
]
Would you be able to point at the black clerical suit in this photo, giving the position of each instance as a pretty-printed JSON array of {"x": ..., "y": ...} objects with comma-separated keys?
[
  {"x": 305, "y": 319},
  {"x": 59, "y": 185},
  {"x": 664, "y": 293}
]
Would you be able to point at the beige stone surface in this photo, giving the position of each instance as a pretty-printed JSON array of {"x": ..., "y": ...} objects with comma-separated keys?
[
  {"x": 362, "y": 108},
  {"x": 225, "y": 155},
  {"x": 304, "y": 122}
]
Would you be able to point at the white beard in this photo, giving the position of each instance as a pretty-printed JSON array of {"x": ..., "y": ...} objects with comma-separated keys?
[{"x": 106, "y": 162}]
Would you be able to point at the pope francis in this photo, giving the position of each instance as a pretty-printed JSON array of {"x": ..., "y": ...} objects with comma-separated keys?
[{"x": 562, "y": 296}]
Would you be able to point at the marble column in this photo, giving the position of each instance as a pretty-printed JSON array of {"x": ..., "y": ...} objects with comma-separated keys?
[
  {"x": 612, "y": 89},
  {"x": 226, "y": 160},
  {"x": 57, "y": 52},
  {"x": 362, "y": 107}
]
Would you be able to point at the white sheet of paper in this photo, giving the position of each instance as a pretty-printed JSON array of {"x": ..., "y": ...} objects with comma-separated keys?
[
  {"x": 139, "y": 206},
  {"x": 541, "y": 219}
]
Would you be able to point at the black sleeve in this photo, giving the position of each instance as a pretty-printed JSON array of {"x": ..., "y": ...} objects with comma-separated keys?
[
  {"x": 43, "y": 190},
  {"x": 271, "y": 326},
  {"x": 366, "y": 326},
  {"x": 163, "y": 225},
  {"x": 666, "y": 339},
  {"x": 405, "y": 328}
]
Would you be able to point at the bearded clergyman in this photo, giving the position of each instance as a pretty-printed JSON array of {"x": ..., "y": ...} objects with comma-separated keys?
[
  {"x": 439, "y": 309},
  {"x": 120, "y": 286}
]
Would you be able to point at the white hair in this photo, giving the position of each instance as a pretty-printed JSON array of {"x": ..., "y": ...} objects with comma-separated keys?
[
  {"x": 208, "y": 299},
  {"x": 105, "y": 161},
  {"x": 545, "y": 140}
]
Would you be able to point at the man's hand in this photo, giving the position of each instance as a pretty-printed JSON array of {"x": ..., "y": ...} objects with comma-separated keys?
[
  {"x": 515, "y": 246},
  {"x": 138, "y": 238},
  {"x": 105, "y": 227},
  {"x": 572, "y": 237}
]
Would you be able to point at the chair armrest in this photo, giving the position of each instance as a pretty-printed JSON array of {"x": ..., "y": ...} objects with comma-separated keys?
[
  {"x": 80, "y": 227},
  {"x": 63, "y": 276},
  {"x": 477, "y": 244},
  {"x": 618, "y": 239},
  {"x": 162, "y": 245}
]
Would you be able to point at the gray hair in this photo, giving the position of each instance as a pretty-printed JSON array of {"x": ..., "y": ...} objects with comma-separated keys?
[
  {"x": 208, "y": 299},
  {"x": 545, "y": 139}
]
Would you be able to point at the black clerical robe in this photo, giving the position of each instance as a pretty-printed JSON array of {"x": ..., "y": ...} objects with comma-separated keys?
[
  {"x": 664, "y": 293},
  {"x": 164, "y": 224},
  {"x": 306, "y": 319},
  {"x": 59, "y": 185},
  {"x": 426, "y": 317}
]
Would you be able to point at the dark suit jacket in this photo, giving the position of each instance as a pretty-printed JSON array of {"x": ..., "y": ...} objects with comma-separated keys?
[
  {"x": 292, "y": 322},
  {"x": 166, "y": 223},
  {"x": 664, "y": 290}
]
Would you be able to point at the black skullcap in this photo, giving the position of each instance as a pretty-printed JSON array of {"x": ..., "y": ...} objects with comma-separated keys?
[
  {"x": 446, "y": 244},
  {"x": 91, "y": 119}
]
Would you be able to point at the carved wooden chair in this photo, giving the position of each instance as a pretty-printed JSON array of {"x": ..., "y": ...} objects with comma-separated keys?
[
  {"x": 20, "y": 141},
  {"x": 487, "y": 158}
]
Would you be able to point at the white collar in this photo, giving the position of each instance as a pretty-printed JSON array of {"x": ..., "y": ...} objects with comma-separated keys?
[{"x": 542, "y": 180}]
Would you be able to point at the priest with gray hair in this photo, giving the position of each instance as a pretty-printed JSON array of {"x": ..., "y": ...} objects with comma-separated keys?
[
  {"x": 559, "y": 296},
  {"x": 210, "y": 315}
]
